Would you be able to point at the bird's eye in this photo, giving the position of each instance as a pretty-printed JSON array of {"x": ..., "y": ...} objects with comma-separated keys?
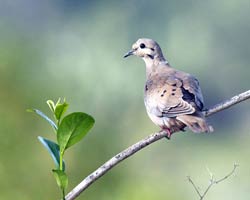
[{"x": 142, "y": 46}]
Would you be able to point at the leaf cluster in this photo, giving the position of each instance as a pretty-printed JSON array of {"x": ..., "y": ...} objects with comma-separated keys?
[{"x": 69, "y": 130}]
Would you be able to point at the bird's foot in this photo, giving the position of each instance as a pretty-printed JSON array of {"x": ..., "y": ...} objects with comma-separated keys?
[{"x": 168, "y": 131}]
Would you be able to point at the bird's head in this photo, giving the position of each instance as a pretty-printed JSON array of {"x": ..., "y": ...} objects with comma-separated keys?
[{"x": 145, "y": 48}]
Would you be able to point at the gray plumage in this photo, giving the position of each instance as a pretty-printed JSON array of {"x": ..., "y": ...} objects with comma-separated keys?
[{"x": 173, "y": 98}]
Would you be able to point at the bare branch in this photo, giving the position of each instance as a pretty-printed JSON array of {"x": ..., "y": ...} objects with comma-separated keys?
[
  {"x": 141, "y": 144},
  {"x": 212, "y": 182},
  {"x": 112, "y": 162},
  {"x": 228, "y": 103}
]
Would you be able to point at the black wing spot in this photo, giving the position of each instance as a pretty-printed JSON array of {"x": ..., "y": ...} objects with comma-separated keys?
[
  {"x": 164, "y": 91},
  {"x": 187, "y": 96},
  {"x": 162, "y": 95},
  {"x": 174, "y": 84},
  {"x": 174, "y": 89},
  {"x": 173, "y": 94}
]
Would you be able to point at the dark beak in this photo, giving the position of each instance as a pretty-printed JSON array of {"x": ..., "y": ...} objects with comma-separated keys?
[{"x": 131, "y": 52}]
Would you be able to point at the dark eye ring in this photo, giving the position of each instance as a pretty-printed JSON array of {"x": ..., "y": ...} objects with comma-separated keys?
[{"x": 142, "y": 45}]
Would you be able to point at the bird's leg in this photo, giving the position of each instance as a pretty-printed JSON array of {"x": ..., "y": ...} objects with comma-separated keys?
[{"x": 168, "y": 131}]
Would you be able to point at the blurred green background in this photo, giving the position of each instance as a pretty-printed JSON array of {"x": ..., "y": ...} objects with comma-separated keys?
[{"x": 74, "y": 49}]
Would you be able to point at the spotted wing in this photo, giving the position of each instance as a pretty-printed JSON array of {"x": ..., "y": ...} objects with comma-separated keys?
[{"x": 168, "y": 98}]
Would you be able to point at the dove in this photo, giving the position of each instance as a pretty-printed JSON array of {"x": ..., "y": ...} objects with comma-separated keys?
[{"x": 173, "y": 98}]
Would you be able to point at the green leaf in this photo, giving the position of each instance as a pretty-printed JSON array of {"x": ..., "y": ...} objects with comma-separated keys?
[
  {"x": 51, "y": 105},
  {"x": 60, "y": 110},
  {"x": 61, "y": 178},
  {"x": 53, "y": 150},
  {"x": 73, "y": 128},
  {"x": 58, "y": 101},
  {"x": 40, "y": 113}
]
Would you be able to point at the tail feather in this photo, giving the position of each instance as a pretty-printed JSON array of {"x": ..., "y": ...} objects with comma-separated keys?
[{"x": 197, "y": 124}]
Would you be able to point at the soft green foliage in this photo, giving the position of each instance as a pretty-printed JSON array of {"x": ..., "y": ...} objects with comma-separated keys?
[
  {"x": 60, "y": 110},
  {"x": 40, "y": 113},
  {"x": 71, "y": 130},
  {"x": 53, "y": 149},
  {"x": 61, "y": 179},
  {"x": 51, "y": 105}
]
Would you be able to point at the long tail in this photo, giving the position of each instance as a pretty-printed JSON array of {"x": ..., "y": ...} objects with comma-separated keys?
[{"x": 197, "y": 123}]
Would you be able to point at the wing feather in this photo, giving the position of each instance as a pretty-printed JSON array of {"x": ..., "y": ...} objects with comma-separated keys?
[{"x": 174, "y": 95}]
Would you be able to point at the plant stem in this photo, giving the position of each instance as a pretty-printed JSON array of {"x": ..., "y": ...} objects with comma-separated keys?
[
  {"x": 58, "y": 122},
  {"x": 63, "y": 194},
  {"x": 61, "y": 161},
  {"x": 61, "y": 168}
]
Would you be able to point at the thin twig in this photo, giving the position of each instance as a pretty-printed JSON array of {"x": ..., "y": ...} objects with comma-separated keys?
[
  {"x": 212, "y": 182},
  {"x": 195, "y": 187},
  {"x": 141, "y": 144},
  {"x": 230, "y": 174}
]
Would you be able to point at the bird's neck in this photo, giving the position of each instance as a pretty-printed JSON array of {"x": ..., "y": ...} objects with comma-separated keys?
[{"x": 153, "y": 64}]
